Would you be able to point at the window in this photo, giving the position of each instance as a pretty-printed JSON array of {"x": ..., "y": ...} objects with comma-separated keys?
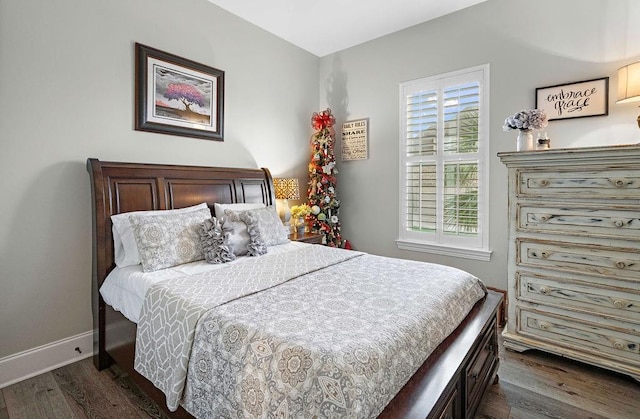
[{"x": 444, "y": 164}]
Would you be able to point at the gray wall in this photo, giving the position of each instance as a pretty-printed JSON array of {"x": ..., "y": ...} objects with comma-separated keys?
[
  {"x": 527, "y": 44},
  {"x": 66, "y": 94}
]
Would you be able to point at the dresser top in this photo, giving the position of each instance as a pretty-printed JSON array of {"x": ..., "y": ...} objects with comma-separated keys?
[{"x": 627, "y": 153}]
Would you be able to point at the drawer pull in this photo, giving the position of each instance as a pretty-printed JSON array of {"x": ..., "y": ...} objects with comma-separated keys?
[
  {"x": 544, "y": 182},
  {"x": 619, "y": 304},
  {"x": 544, "y": 255},
  {"x": 618, "y": 345},
  {"x": 618, "y": 223},
  {"x": 544, "y": 290},
  {"x": 621, "y": 265},
  {"x": 544, "y": 326},
  {"x": 545, "y": 218},
  {"x": 619, "y": 183}
]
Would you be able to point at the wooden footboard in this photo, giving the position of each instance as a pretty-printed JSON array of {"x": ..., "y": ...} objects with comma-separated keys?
[{"x": 449, "y": 384}]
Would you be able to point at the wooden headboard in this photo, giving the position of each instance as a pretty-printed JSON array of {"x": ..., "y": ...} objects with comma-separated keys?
[{"x": 124, "y": 187}]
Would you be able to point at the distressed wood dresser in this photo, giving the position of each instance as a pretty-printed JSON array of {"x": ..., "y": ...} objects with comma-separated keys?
[{"x": 574, "y": 254}]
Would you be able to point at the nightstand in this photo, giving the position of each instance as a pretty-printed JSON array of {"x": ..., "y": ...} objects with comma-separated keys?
[{"x": 312, "y": 238}]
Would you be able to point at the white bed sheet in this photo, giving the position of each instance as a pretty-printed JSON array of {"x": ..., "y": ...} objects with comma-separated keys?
[{"x": 124, "y": 288}]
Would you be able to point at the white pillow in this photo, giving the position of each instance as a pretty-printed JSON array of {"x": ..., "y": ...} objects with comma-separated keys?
[
  {"x": 219, "y": 208},
  {"x": 124, "y": 242}
]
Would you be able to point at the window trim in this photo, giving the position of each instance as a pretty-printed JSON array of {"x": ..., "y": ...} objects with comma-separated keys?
[{"x": 416, "y": 241}]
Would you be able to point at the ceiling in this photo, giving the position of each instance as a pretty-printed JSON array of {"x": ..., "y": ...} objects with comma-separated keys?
[{"x": 324, "y": 27}]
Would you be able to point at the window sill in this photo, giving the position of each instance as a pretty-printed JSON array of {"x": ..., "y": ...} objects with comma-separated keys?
[{"x": 439, "y": 249}]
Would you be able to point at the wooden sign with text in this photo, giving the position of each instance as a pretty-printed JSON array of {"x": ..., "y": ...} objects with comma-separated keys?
[
  {"x": 355, "y": 135},
  {"x": 574, "y": 100}
]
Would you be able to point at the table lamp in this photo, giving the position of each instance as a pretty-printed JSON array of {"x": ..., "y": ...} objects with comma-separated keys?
[
  {"x": 285, "y": 189},
  {"x": 629, "y": 84}
]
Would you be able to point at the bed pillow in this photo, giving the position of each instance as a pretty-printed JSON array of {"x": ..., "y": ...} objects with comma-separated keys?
[
  {"x": 124, "y": 243},
  {"x": 220, "y": 208},
  {"x": 222, "y": 240},
  {"x": 169, "y": 239},
  {"x": 256, "y": 245},
  {"x": 239, "y": 239},
  {"x": 214, "y": 237},
  {"x": 268, "y": 224}
]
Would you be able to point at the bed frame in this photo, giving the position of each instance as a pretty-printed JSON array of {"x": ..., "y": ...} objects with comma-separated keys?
[{"x": 450, "y": 384}]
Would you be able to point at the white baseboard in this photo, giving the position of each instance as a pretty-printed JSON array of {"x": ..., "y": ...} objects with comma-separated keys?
[{"x": 36, "y": 361}]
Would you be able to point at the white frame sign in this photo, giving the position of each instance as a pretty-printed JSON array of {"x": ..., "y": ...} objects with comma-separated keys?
[
  {"x": 574, "y": 100},
  {"x": 355, "y": 138}
]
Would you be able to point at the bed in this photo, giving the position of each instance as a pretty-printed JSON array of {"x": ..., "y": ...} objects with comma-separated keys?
[{"x": 449, "y": 383}]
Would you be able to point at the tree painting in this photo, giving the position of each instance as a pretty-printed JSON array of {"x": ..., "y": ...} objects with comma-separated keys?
[
  {"x": 183, "y": 97},
  {"x": 186, "y": 94}
]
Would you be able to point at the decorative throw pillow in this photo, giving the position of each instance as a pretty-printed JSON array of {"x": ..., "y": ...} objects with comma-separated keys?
[
  {"x": 239, "y": 239},
  {"x": 219, "y": 209},
  {"x": 269, "y": 226},
  {"x": 169, "y": 239},
  {"x": 214, "y": 237},
  {"x": 256, "y": 246},
  {"x": 124, "y": 243}
]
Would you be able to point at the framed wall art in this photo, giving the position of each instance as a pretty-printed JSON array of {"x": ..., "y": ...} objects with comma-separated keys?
[
  {"x": 178, "y": 96},
  {"x": 355, "y": 135},
  {"x": 574, "y": 100}
]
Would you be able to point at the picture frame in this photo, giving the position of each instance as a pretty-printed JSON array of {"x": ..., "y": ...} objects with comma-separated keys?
[
  {"x": 177, "y": 96},
  {"x": 355, "y": 139},
  {"x": 574, "y": 100}
]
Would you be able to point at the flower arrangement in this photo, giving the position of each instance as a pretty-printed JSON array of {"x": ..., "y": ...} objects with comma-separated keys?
[
  {"x": 300, "y": 211},
  {"x": 526, "y": 120}
]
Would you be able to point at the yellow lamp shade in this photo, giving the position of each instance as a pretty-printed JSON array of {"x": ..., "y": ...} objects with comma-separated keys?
[
  {"x": 286, "y": 188},
  {"x": 629, "y": 83}
]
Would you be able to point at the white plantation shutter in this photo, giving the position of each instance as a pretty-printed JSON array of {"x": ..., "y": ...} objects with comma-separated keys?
[{"x": 444, "y": 149}]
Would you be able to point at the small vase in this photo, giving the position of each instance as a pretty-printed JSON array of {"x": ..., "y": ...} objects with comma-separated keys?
[
  {"x": 300, "y": 226},
  {"x": 524, "y": 141}
]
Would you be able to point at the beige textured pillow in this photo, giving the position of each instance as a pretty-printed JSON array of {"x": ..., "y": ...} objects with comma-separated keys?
[
  {"x": 219, "y": 209},
  {"x": 168, "y": 240},
  {"x": 124, "y": 243}
]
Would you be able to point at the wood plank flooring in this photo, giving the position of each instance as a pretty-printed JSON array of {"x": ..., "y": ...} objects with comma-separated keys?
[
  {"x": 532, "y": 385},
  {"x": 536, "y": 384}
]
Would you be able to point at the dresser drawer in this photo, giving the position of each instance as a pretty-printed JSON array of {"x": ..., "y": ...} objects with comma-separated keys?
[
  {"x": 581, "y": 184},
  {"x": 581, "y": 220},
  {"x": 587, "y": 297},
  {"x": 580, "y": 335},
  {"x": 618, "y": 263}
]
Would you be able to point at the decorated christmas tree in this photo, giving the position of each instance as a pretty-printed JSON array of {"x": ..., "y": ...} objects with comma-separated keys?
[{"x": 321, "y": 192}]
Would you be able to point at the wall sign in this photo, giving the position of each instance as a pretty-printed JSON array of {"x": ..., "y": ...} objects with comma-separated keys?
[
  {"x": 355, "y": 135},
  {"x": 574, "y": 100}
]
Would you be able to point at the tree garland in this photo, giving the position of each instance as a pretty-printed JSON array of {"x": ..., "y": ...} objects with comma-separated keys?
[{"x": 321, "y": 192}]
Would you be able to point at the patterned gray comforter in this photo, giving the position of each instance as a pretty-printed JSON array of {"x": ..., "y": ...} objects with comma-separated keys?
[{"x": 318, "y": 332}]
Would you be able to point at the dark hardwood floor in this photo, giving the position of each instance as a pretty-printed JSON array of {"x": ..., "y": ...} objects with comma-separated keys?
[{"x": 532, "y": 385}]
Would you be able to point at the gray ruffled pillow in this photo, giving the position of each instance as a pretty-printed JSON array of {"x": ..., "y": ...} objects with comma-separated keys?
[
  {"x": 269, "y": 225},
  {"x": 214, "y": 236},
  {"x": 256, "y": 246}
]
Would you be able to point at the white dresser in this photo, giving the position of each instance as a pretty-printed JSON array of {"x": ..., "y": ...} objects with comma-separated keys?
[{"x": 574, "y": 254}]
